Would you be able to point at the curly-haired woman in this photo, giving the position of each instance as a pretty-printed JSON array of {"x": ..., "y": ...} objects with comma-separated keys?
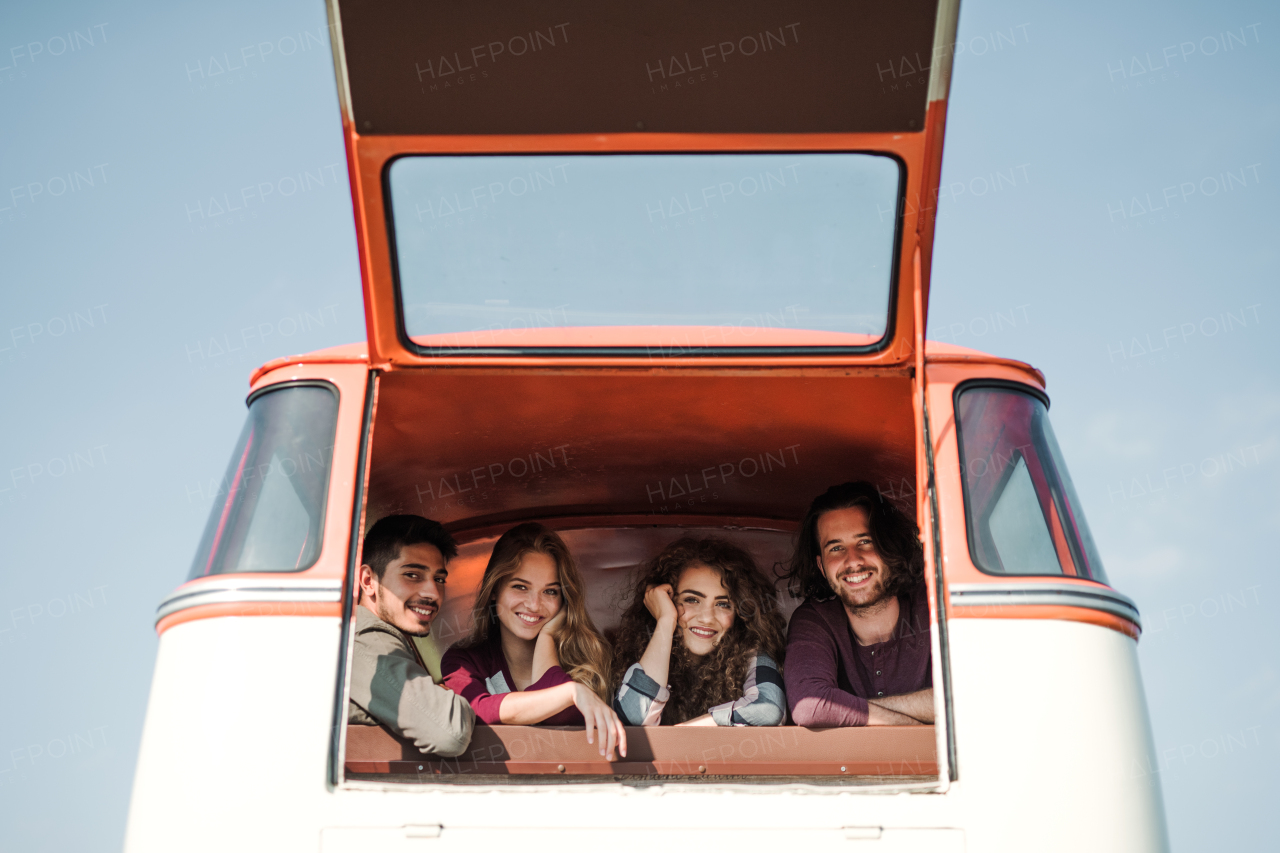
[
  {"x": 534, "y": 655},
  {"x": 704, "y": 622}
]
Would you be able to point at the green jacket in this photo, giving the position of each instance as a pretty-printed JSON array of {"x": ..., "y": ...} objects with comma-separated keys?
[{"x": 391, "y": 687}]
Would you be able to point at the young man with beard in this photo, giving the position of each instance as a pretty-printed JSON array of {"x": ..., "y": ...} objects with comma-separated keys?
[
  {"x": 401, "y": 590},
  {"x": 858, "y": 649}
]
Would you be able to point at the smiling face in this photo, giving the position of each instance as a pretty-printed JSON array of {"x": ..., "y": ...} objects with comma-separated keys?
[
  {"x": 410, "y": 591},
  {"x": 849, "y": 559},
  {"x": 704, "y": 612},
  {"x": 529, "y": 598}
]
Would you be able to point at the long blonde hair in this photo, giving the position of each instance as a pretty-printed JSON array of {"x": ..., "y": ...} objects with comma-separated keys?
[{"x": 584, "y": 655}]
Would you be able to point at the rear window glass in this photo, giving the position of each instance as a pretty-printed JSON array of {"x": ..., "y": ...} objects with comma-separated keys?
[
  {"x": 268, "y": 511},
  {"x": 1023, "y": 514},
  {"x": 684, "y": 250}
]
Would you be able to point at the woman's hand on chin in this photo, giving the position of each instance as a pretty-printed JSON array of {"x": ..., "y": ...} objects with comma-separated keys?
[
  {"x": 601, "y": 720},
  {"x": 554, "y": 625},
  {"x": 545, "y": 654}
]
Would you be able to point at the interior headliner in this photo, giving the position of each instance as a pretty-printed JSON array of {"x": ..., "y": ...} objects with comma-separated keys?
[{"x": 482, "y": 449}]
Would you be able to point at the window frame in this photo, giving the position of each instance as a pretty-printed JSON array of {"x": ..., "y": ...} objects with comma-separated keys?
[
  {"x": 891, "y": 303},
  {"x": 972, "y": 534},
  {"x": 252, "y": 398},
  {"x": 679, "y": 771},
  {"x": 335, "y": 776}
]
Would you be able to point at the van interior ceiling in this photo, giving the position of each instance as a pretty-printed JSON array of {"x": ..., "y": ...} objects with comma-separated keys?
[{"x": 622, "y": 463}]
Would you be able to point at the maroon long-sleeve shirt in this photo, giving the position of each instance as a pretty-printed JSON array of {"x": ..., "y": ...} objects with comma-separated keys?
[
  {"x": 481, "y": 676},
  {"x": 830, "y": 677}
]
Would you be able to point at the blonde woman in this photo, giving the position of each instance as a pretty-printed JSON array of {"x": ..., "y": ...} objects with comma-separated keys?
[{"x": 534, "y": 655}]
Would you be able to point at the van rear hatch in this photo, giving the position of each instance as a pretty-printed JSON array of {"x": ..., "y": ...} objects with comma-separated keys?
[{"x": 573, "y": 179}]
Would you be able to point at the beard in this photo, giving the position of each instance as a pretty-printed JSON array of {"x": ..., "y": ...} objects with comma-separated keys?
[
  {"x": 385, "y": 615},
  {"x": 864, "y": 603}
]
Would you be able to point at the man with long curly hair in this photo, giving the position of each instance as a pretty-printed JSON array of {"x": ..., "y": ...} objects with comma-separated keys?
[
  {"x": 701, "y": 643},
  {"x": 858, "y": 650}
]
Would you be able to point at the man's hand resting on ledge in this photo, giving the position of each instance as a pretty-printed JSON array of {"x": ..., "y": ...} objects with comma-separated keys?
[{"x": 906, "y": 710}]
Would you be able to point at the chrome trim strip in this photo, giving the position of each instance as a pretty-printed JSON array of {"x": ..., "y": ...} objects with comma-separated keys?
[
  {"x": 1059, "y": 594},
  {"x": 339, "y": 48},
  {"x": 944, "y": 46},
  {"x": 234, "y": 591}
]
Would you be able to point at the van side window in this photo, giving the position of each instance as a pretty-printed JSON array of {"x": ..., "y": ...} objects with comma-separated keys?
[
  {"x": 268, "y": 511},
  {"x": 1023, "y": 514}
]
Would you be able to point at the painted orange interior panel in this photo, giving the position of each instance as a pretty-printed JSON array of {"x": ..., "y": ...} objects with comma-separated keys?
[
  {"x": 622, "y": 462},
  {"x": 477, "y": 448}
]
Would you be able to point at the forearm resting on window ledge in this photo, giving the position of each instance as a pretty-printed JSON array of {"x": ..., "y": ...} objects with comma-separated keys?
[{"x": 918, "y": 706}]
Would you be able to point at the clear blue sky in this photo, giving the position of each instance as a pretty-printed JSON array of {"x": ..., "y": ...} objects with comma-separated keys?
[{"x": 1109, "y": 215}]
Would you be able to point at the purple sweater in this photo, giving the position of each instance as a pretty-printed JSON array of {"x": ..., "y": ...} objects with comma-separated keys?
[
  {"x": 829, "y": 677},
  {"x": 480, "y": 675}
]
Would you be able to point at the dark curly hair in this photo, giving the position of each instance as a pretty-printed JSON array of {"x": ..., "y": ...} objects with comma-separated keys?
[
  {"x": 896, "y": 537},
  {"x": 384, "y": 541},
  {"x": 700, "y": 683}
]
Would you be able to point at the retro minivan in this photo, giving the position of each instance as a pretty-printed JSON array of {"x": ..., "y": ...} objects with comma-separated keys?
[{"x": 637, "y": 271}]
